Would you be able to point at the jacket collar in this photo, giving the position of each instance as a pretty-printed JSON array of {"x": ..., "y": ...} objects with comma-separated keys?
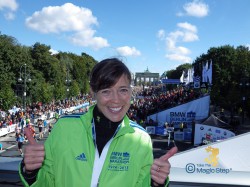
[{"x": 87, "y": 123}]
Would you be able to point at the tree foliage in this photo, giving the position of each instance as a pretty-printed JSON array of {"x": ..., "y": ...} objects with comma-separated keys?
[
  {"x": 176, "y": 73},
  {"x": 231, "y": 68},
  {"x": 47, "y": 73}
]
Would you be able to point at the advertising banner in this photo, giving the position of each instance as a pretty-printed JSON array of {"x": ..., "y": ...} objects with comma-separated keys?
[
  {"x": 224, "y": 162},
  {"x": 185, "y": 113},
  {"x": 205, "y": 134}
]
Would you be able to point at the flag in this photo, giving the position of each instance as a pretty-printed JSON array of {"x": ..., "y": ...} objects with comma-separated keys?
[
  {"x": 182, "y": 77},
  {"x": 197, "y": 81},
  {"x": 190, "y": 75},
  {"x": 210, "y": 72},
  {"x": 204, "y": 73},
  {"x": 207, "y": 72}
]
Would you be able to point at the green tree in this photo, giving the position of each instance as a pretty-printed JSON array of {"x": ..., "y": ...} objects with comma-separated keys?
[
  {"x": 46, "y": 93},
  {"x": 176, "y": 73},
  {"x": 59, "y": 91},
  {"x": 7, "y": 96},
  {"x": 74, "y": 89}
]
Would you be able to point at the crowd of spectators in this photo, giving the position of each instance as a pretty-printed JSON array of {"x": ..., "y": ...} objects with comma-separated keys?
[
  {"x": 155, "y": 99},
  {"x": 144, "y": 103},
  {"x": 37, "y": 109}
]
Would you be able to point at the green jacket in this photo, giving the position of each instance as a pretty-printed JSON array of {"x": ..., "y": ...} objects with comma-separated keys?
[{"x": 70, "y": 154}]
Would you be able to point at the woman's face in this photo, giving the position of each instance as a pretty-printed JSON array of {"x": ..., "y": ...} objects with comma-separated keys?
[{"x": 114, "y": 102}]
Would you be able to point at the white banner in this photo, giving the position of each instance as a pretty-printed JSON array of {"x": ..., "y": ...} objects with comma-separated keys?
[
  {"x": 205, "y": 134},
  {"x": 7, "y": 130},
  {"x": 71, "y": 109},
  {"x": 226, "y": 162},
  {"x": 185, "y": 113}
]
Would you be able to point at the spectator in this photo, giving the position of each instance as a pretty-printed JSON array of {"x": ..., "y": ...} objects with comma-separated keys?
[
  {"x": 40, "y": 128},
  {"x": 45, "y": 124},
  {"x": 50, "y": 128},
  {"x": 20, "y": 139}
]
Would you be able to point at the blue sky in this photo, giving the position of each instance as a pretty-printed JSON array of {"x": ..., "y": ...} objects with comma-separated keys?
[{"x": 155, "y": 34}]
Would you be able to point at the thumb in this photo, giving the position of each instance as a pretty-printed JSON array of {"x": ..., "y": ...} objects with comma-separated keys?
[
  {"x": 29, "y": 134},
  {"x": 169, "y": 154}
]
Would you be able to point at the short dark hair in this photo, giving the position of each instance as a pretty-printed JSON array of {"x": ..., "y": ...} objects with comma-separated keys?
[{"x": 106, "y": 73}]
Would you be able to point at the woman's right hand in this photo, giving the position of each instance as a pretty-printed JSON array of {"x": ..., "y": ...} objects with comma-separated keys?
[{"x": 33, "y": 153}]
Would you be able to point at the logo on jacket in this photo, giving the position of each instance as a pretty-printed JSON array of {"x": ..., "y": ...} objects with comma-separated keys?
[
  {"x": 119, "y": 161},
  {"x": 81, "y": 157}
]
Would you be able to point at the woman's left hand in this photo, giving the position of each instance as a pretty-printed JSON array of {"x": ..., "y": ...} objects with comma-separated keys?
[{"x": 161, "y": 167}]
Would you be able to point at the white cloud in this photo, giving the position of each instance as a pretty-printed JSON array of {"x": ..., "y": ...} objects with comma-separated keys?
[
  {"x": 187, "y": 26},
  {"x": 128, "y": 51},
  {"x": 175, "y": 36},
  {"x": 188, "y": 32},
  {"x": 65, "y": 18},
  {"x": 53, "y": 52},
  {"x": 161, "y": 34},
  {"x": 248, "y": 45},
  {"x": 71, "y": 19},
  {"x": 86, "y": 38},
  {"x": 178, "y": 57},
  {"x": 190, "y": 37},
  {"x": 185, "y": 32},
  {"x": 8, "y": 7},
  {"x": 177, "y": 53},
  {"x": 182, "y": 50},
  {"x": 196, "y": 8},
  {"x": 8, "y": 4}
]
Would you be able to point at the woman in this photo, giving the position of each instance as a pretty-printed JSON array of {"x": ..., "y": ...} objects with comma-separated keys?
[{"x": 100, "y": 148}]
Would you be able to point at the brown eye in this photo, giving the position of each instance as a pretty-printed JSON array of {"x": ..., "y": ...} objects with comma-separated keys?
[{"x": 105, "y": 92}]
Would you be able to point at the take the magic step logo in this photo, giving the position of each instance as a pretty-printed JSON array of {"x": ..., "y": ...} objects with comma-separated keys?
[{"x": 210, "y": 164}]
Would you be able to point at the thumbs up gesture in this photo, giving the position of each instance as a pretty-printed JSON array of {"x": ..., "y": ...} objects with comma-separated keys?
[
  {"x": 34, "y": 152},
  {"x": 161, "y": 167}
]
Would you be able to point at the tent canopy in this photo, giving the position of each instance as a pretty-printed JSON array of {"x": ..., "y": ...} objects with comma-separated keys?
[{"x": 212, "y": 120}]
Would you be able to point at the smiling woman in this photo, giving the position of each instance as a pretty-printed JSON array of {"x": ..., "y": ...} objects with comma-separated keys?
[
  {"x": 110, "y": 83},
  {"x": 106, "y": 141}
]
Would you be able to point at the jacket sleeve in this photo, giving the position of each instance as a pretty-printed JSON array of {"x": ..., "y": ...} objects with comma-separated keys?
[
  {"x": 147, "y": 160},
  {"x": 161, "y": 185},
  {"x": 145, "y": 176}
]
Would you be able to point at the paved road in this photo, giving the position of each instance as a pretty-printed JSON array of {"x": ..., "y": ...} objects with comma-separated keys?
[
  {"x": 10, "y": 145},
  {"x": 10, "y": 158}
]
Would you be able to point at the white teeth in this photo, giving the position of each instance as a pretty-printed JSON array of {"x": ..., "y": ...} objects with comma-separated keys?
[{"x": 116, "y": 109}]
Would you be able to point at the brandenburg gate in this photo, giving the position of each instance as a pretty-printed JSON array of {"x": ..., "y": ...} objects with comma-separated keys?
[{"x": 146, "y": 78}]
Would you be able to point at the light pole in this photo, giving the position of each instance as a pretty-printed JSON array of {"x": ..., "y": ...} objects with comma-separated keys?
[
  {"x": 244, "y": 84},
  {"x": 23, "y": 74},
  {"x": 67, "y": 82}
]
